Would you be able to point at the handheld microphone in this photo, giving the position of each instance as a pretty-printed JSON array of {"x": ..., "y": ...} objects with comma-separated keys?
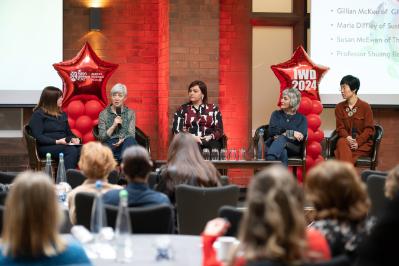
[
  {"x": 118, "y": 113},
  {"x": 354, "y": 131}
]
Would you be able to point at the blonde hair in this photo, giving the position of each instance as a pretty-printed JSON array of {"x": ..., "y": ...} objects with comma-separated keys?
[
  {"x": 392, "y": 183},
  {"x": 336, "y": 191},
  {"x": 32, "y": 218},
  {"x": 273, "y": 225},
  {"x": 185, "y": 162},
  {"x": 96, "y": 160}
]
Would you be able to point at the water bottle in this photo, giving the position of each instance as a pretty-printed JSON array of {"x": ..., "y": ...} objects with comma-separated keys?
[
  {"x": 47, "y": 169},
  {"x": 61, "y": 185},
  {"x": 123, "y": 230},
  {"x": 260, "y": 154},
  {"x": 98, "y": 218}
]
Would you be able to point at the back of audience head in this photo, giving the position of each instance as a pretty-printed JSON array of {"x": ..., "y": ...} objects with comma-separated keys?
[
  {"x": 136, "y": 163},
  {"x": 392, "y": 183},
  {"x": 32, "y": 218},
  {"x": 96, "y": 160},
  {"x": 185, "y": 161},
  {"x": 337, "y": 192},
  {"x": 273, "y": 226}
]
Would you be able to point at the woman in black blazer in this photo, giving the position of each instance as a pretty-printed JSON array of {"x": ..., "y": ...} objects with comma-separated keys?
[{"x": 50, "y": 127}]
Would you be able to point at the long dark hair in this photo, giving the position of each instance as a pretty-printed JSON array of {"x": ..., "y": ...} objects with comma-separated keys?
[
  {"x": 48, "y": 101},
  {"x": 185, "y": 162}
]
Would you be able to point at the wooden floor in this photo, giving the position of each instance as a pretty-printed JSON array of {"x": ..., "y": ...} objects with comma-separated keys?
[{"x": 13, "y": 155}]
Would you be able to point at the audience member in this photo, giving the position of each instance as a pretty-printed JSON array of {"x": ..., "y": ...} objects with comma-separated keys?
[
  {"x": 185, "y": 165},
  {"x": 96, "y": 162},
  {"x": 117, "y": 123},
  {"x": 380, "y": 248},
  {"x": 32, "y": 220},
  {"x": 392, "y": 183},
  {"x": 341, "y": 202},
  {"x": 136, "y": 165},
  {"x": 199, "y": 118},
  {"x": 354, "y": 123},
  {"x": 51, "y": 130},
  {"x": 287, "y": 128},
  {"x": 272, "y": 231}
]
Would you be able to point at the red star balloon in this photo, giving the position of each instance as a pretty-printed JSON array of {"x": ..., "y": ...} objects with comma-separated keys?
[
  {"x": 85, "y": 76},
  {"x": 301, "y": 73}
]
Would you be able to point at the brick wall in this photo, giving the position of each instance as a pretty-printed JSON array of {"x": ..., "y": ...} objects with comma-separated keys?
[
  {"x": 388, "y": 154},
  {"x": 235, "y": 77},
  {"x": 194, "y": 49}
]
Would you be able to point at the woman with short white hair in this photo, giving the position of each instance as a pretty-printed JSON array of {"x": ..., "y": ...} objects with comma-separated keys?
[
  {"x": 117, "y": 123},
  {"x": 287, "y": 128}
]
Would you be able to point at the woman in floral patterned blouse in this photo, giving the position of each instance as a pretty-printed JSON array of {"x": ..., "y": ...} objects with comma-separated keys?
[
  {"x": 198, "y": 117},
  {"x": 341, "y": 202}
]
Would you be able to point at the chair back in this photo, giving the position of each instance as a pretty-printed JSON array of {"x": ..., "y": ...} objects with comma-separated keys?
[
  {"x": 74, "y": 177},
  {"x": 141, "y": 138},
  {"x": 31, "y": 146},
  {"x": 7, "y": 177},
  {"x": 197, "y": 205},
  {"x": 154, "y": 219},
  {"x": 366, "y": 173},
  {"x": 233, "y": 215},
  {"x": 375, "y": 189},
  {"x": 378, "y": 134},
  {"x": 83, "y": 206}
]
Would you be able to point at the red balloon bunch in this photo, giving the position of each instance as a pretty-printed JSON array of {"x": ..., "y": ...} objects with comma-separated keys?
[
  {"x": 84, "y": 81},
  {"x": 301, "y": 73}
]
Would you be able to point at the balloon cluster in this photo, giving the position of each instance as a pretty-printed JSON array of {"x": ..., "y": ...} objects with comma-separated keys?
[
  {"x": 84, "y": 80},
  {"x": 312, "y": 110},
  {"x": 301, "y": 73},
  {"x": 82, "y": 117}
]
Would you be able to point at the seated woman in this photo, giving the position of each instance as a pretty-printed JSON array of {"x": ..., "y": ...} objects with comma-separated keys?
[
  {"x": 341, "y": 202},
  {"x": 117, "y": 123},
  {"x": 96, "y": 163},
  {"x": 185, "y": 165},
  {"x": 199, "y": 118},
  {"x": 287, "y": 128},
  {"x": 51, "y": 130},
  {"x": 272, "y": 230},
  {"x": 31, "y": 223},
  {"x": 354, "y": 123}
]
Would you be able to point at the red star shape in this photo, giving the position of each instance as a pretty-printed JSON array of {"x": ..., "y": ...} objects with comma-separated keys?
[
  {"x": 301, "y": 73},
  {"x": 85, "y": 76}
]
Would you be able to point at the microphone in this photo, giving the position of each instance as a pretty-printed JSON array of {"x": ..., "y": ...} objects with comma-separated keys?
[
  {"x": 354, "y": 131},
  {"x": 118, "y": 110}
]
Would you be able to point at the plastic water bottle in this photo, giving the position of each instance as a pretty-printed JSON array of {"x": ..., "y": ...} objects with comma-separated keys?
[
  {"x": 123, "y": 230},
  {"x": 98, "y": 218},
  {"x": 260, "y": 154},
  {"x": 61, "y": 185},
  {"x": 47, "y": 169}
]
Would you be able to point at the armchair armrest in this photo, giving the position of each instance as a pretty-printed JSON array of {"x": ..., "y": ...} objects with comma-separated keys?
[{"x": 331, "y": 143}]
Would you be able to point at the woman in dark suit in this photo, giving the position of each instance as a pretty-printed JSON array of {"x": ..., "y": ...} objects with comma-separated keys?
[{"x": 50, "y": 127}]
